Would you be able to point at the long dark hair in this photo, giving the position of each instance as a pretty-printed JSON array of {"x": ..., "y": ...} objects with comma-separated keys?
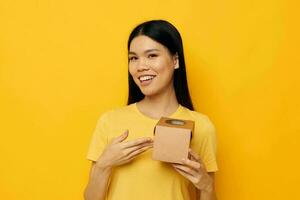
[{"x": 166, "y": 34}]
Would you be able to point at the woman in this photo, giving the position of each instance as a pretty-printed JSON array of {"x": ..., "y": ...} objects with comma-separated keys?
[{"x": 122, "y": 167}]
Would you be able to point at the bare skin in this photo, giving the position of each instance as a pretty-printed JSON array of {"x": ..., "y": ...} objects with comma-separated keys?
[{"x": 194, "y": 170}]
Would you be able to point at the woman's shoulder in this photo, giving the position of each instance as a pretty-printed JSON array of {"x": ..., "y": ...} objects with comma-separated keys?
[
  {"x": 199, "y": 117},
  {"x": 115, "y": 112}
]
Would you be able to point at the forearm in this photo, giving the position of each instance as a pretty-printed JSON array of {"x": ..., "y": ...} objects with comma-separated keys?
[
  {"x": 208, "y": 191},
  {"x": 204, "y": 195},
  {"x": 98, "y": 184}
]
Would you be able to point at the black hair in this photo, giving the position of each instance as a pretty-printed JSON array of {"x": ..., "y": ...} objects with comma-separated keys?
[{"x": 166, "y": 34}]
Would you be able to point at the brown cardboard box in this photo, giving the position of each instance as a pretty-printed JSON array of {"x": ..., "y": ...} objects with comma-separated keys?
[{"x": 172, "y": 139}]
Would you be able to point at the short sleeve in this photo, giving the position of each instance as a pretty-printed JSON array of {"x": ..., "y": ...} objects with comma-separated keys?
[
  {"x": 208, "y": 148},
  {"x": 99, "y": 139}
]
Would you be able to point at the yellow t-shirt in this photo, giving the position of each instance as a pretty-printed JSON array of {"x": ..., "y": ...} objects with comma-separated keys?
[{"x": 144, "y": 178}]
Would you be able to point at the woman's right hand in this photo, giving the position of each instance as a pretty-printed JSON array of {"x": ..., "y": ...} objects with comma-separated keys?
[{"x": 119, "y": 152}]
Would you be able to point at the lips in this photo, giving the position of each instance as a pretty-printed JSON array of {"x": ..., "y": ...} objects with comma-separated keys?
[{"x": 146, "y": 79}]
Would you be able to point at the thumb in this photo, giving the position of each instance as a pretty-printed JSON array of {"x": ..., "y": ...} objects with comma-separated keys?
[
  {"x": 121, "y": 137},
  {"x": 193, "y": 155}
]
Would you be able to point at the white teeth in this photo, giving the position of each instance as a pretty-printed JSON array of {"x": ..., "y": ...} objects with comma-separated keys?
[{"x": 145, "y": 78}]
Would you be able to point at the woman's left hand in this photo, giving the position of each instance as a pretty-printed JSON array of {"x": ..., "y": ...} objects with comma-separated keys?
[{"x": 194, "y": 170}]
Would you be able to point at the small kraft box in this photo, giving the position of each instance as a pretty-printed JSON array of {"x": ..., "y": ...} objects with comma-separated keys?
[{"x": 172, "y": 139}]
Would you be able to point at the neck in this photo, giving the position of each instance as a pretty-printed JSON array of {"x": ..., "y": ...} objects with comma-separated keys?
[{"x": 162, "y": 104}]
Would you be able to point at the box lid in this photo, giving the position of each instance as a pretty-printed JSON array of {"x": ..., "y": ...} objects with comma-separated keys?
[{"x": 176, "y": 123}]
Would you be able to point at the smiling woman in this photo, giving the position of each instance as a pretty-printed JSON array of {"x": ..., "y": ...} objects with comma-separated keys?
[
  {"x": 157, "y": 88},
  {"x": 151, "y": 65}
]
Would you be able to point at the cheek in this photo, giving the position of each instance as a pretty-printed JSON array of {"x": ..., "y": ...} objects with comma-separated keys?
[
  {"x": 131, "y": 69},
  {"x": 165, "y": 69},
  {"x": 132, "y": 72}
]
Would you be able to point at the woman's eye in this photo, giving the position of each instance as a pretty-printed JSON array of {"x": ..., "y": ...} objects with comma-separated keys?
[
  {"x": 152, "y": 55},
  {"x": 132, "y": 58}
]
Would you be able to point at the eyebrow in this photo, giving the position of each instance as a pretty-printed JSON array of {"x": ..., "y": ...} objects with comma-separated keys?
[{"x": 147, "y": 51}]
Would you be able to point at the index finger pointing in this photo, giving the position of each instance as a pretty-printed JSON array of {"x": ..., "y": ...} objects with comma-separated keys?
[{"x": 136, "y": 142}]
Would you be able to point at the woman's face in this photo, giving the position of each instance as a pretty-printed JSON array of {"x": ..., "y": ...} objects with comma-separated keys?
[{"x": 151, "y": 65}]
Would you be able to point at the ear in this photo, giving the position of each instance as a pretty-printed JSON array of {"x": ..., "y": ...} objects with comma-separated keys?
[{"x": 176, "y": 61}]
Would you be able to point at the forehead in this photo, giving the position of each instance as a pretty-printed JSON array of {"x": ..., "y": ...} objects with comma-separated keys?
[{"x": 142, "y": 43}]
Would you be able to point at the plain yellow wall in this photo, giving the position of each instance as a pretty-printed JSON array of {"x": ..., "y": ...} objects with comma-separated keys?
[{"x": 63, "y": 63}]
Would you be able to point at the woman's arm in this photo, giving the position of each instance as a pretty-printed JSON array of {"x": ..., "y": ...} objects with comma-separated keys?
[
  {"x": 194, "y": 170},
  {"x": 98, "y": 183},
  {"x": 208, "y": 195},
  {"x": 117, "y": 153}
]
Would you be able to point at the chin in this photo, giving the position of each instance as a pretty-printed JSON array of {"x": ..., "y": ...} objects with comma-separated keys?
[{"x": 149, "y": 92}]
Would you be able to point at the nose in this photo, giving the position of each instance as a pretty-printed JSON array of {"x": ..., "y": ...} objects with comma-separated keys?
[{"x": 142, "y": 65}]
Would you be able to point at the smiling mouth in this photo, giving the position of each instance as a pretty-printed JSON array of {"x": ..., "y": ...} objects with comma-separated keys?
[{"x": 146, "y": 78}]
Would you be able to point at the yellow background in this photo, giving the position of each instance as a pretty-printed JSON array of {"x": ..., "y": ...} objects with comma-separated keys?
[{"x": 63, "y": 63}]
